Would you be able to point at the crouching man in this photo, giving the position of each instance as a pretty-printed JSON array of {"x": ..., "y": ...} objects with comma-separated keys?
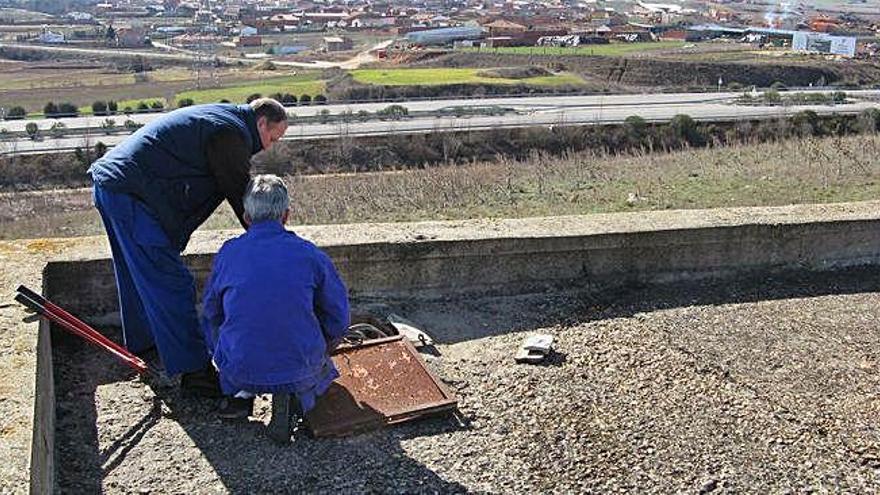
[{"x": 274, "y": 307}]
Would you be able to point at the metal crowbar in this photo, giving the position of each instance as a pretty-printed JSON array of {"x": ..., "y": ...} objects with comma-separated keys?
[{"x": 74, "y": 325}]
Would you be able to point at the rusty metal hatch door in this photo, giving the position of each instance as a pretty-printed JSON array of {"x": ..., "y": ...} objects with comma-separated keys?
[{"x": 382, "y": 382}]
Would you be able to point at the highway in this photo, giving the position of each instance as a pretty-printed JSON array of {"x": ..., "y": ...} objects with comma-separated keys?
[
  {"x": 525, "y": 112},
  {"x": 520, "y": 104}
]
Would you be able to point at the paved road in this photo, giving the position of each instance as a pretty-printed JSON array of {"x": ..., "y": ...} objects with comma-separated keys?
[
  {"x": 538, "y": 111},
  {"x": 519, "y": 104}
]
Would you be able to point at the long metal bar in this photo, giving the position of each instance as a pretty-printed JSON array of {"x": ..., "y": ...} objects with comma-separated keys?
[
  {"x": 79, "y": 328},
  {"x": 58, "y": 310}
]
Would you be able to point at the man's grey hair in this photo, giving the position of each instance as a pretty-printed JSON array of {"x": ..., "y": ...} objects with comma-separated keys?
[
  {"x": 266, "y": 198},
  {"x": 269, "y": 108}
]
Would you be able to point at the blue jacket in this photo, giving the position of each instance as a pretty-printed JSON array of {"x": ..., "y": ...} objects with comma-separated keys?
[
  {"x": 164, "y": 165},
  {"x": 271, "y": 305}
]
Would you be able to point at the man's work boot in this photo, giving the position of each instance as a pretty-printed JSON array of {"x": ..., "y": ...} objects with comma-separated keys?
[
  {"x": 235, "y": 408},
  {"x": 280, "y": 425},
  {"x": 203, "y": 383}
]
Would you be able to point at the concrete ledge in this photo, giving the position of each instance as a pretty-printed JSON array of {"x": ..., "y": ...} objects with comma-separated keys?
[
  {"x": 431, "y": 258},
  {"x": 42, "y": 476},
  {"x": 509, "y": 256}
]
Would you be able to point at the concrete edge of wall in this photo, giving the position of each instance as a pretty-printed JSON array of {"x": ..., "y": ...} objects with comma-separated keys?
[
  {"x": 513, "y": 264},
  {"x": 500, "y": 265},
  {"x": 42, "y": 473}
]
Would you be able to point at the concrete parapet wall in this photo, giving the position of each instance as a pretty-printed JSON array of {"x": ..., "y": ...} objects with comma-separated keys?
[{"x": 437, "y": 258}]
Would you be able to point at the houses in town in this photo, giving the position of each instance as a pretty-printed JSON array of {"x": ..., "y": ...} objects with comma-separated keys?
[{"x": 249, "y": 24}]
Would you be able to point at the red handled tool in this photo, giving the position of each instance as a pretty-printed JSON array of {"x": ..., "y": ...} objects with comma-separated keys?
[{"x": 74, "y": 325}]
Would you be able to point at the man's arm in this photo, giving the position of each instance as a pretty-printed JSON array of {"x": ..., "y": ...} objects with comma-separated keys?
[
  {"x": 331, "y": 302},
  {"x": 229, "y": 162}
]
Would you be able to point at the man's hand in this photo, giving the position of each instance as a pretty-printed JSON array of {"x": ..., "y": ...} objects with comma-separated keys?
[{"x": 333, "y": 344}]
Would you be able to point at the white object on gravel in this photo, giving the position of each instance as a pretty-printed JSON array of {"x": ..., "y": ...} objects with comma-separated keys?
[
  {"x": 534, "y": 349},
  {"x": 409, "y": 330}
]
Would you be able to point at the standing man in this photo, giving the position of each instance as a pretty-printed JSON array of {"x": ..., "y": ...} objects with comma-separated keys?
[{"x": 152, "y": 191}]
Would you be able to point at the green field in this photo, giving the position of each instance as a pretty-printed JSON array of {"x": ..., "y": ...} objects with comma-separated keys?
[
  {"x": 304, "y": 84},
  {"x": 610, "y": 50},
  {"x": 433, "y": 77}
]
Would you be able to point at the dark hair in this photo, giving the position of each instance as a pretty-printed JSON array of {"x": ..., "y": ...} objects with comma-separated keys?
[{"x": 269, "y": 108}]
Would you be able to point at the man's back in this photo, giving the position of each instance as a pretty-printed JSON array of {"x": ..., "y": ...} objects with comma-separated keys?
[
  {"x": 165, "y": 164},
  {"x": 274, "y": 300}
]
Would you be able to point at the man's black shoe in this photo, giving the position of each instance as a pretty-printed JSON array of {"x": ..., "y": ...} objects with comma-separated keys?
[
  {"x": 235, "y": 408},
  {"x": 204, "y": 383},
  {"x": 281, "y": 422}
]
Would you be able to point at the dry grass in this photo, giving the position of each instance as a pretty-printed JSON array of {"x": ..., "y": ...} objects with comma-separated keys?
[
  {"x": 795, "y": 171},
  {"x": 811, "y": 170}
]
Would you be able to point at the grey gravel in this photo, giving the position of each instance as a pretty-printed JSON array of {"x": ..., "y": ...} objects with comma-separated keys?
[{"x": 762, "y": 386}]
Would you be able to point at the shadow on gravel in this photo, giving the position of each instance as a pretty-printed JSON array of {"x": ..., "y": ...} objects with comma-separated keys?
[
  {"x": 467, "y": 318},
  {"x": 80, "y": 463},
  {"x": 115, "y": 433}
]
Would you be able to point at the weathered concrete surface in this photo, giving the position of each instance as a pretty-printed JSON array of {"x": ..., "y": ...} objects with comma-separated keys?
[
  {"x": 434, "y": 258},
  {"x": 643, "y": 247}
]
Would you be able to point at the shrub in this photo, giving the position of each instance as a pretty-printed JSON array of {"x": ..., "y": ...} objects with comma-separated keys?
[
  {"x": 109, "y": 125},
  {"x": 224, "y": 100},
  {"x": 869, "y": 120},
  {"x": 16, "y": 113},
  {"x": 100, "y": 149},
  {"x": 276, "y": 96},
  {"x": 253, "y": 97},
  {"x": 157, "y": 105},
  {"x": 57, "y": 130},
  {"x": 320, "y": 100},
  {"x": 772, "y": 96},
  {"x": 32, "y": 130},
  {"x": 127, "y": 110},
  {"x": 806, "y": 123},
  {"x": 777, "y": 85},
  {"x": 50, "y": 109},
  {"x": 132, "y": 125},
  {"x": 838, "y": 97},
  {"x": 99, "y": 108},
  {"x": 394, "y": 112},
  {"x": 68, "y": 109},
  {"x": 685, "y": 129},
  {"x": 185, "y": 102},
  {"x": 363, "y": 115},
  {"x": 635, "y": 128},
  {"x": 112, "y": 107},
  {"x": 142, "y": 106},
  {"x": 305, "y": 100},
  {"x": 288, "y": 99}
]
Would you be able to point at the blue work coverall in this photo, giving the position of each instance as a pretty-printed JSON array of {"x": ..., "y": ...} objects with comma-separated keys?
[
  {"x": 152, "y": 191},
  {"x": 272, "y": 305}
]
